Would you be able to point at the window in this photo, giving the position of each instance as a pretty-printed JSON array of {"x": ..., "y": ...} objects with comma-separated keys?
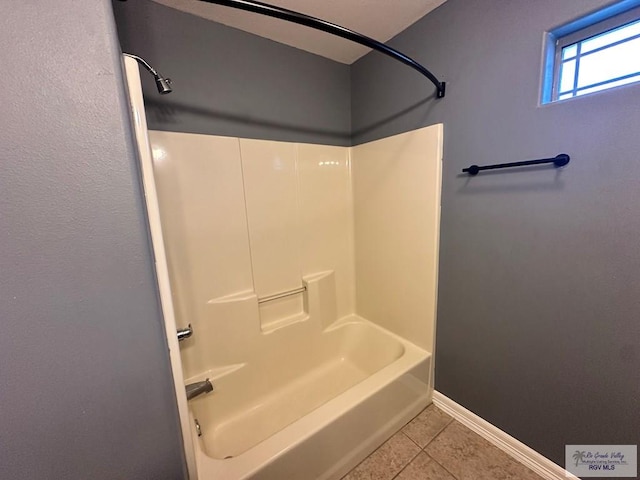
[{"x": 599, "y": 56}]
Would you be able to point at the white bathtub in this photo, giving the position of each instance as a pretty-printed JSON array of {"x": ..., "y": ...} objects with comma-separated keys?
[{"x": 315, "y": 411}]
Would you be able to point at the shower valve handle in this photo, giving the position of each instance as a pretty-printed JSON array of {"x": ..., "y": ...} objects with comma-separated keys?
[{"x": 185, "y": 333}]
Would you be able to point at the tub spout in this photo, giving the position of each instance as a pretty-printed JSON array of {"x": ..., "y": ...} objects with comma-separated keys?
[{"x": 198, "y": 388}]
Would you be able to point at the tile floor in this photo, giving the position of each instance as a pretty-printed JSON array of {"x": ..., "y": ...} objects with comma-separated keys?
[{"x": 433, "y": 446}]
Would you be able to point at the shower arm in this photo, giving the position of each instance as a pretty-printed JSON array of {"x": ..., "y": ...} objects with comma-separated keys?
[
  {"x": 162, "y": 84},
  {"x": 143, "y": 62},
  {"x": 332, "y": 28}
]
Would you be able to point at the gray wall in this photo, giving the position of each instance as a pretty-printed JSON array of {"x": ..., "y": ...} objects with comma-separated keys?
[
  {"x": 538, "y": 311},
  {"x": 85, "y": 383},
  {"x": 228, "y": 82}
]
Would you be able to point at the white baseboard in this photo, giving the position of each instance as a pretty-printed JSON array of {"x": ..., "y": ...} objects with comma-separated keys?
[{"x": 505, "y": 442}]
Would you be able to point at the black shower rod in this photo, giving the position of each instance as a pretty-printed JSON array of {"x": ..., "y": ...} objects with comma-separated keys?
[{"x": 332, "y": 28}]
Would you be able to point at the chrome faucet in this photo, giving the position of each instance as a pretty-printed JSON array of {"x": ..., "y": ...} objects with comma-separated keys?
[
  {"x": 184, "y": 333},
  {"x": 198, "y": 388}
]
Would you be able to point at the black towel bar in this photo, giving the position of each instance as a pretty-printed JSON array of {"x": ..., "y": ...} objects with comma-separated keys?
[{"x": 559, "y": 160}]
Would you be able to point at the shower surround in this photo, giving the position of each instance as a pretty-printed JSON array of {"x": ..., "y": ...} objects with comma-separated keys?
[{"x": 308, "y": 274}]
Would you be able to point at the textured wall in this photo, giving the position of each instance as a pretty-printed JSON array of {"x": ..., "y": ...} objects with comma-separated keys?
[
  {"x": 538, "y": 327},
  {"x": 229, "y": 82},
  {"x": 85, "y": 384}
]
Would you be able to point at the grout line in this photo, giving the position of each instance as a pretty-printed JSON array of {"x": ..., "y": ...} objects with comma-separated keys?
[
  {"x": 443, "y": 467},
  {"x": 406, "y": 424},
  {"x": 421, "y": 449},
  {"x": 372, "y": 453},
  {"x": 402, "y": 470},
  {"x": 438, "y": 434},
  {"x": 412, "y": 440},
  {"x": 408, "y": 463}
]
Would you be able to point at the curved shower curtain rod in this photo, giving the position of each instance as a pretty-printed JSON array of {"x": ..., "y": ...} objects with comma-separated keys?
[{"x": 332, "y": 28}]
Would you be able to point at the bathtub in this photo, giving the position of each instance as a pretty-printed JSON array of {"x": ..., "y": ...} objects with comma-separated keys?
[{"x": 309, "y": 410}]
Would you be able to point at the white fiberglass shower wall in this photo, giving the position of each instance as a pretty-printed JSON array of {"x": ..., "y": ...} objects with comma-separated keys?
[
  {"x": 251, "y": 217},
  {"x": 352, "y": 231}
]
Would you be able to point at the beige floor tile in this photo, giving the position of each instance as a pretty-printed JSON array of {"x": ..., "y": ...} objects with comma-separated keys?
[
  {"x": 470, "y": 457},
  {"x": 423, "y": 467},
  {"x": 386, "y": 461},
  {"x": 427, "y": 425}
]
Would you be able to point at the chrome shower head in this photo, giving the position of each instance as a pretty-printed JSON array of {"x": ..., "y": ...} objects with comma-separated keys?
[{"x": 162, "y": 84}]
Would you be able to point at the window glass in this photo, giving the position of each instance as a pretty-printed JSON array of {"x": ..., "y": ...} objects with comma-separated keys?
[{"x": 599, "y": 60}]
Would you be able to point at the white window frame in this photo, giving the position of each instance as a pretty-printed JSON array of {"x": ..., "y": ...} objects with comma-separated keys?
[{"x": 561, "y": 38}]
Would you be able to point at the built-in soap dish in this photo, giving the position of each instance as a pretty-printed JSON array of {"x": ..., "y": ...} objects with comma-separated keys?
[{"x": 282, "y": 309}]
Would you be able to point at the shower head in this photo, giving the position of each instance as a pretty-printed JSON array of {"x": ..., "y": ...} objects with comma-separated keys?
[{"x": 162, "y": 84}]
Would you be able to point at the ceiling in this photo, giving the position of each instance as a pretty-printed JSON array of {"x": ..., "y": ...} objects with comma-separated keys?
[{"x": 378, "y": 19}]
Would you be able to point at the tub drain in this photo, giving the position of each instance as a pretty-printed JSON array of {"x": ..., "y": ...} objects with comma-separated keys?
[{"x": 228, "y": 456}]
